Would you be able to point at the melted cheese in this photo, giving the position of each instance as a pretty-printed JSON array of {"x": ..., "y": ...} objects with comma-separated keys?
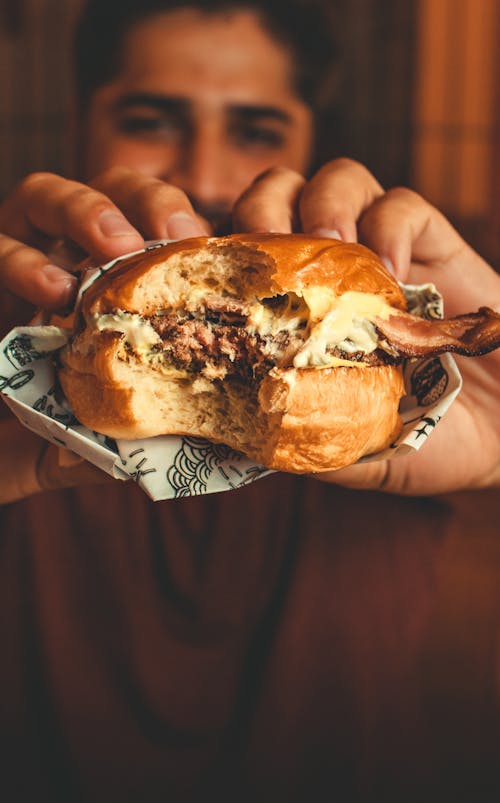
[
  {"x": 329, "y": 321},
  {"x": 334, "y": 362},
  {"x": 266, "y": 321},
  {"x": 320, "y": 300},
  {"x": 343, "y": 322},
  {"x": 137, "y": 332}
]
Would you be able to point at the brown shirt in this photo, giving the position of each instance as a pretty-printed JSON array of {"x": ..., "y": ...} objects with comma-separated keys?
[{"x": 279, "y": 642}]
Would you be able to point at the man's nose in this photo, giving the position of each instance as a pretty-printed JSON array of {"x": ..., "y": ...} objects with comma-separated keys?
[{"x": 203, "y": 171}]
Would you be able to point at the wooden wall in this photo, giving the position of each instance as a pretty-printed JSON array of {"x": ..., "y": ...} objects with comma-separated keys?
[
  {"x": 456, "y": 143},
  {"x": 35, "y": 87},
  {"x": 376, "y": 43}
]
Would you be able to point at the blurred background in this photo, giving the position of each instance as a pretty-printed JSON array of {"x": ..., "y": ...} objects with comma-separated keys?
[{"x": 418, "y": 102}]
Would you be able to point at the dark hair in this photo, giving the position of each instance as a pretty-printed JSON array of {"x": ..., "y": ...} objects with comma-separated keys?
[{"x": 305, "y": 27}]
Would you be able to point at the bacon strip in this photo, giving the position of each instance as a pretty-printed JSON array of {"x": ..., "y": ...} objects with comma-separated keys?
[{"x": 472, "y": 334}]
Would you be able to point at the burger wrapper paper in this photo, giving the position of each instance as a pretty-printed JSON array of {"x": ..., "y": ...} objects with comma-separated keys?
[{"x": 167, "y": 467}]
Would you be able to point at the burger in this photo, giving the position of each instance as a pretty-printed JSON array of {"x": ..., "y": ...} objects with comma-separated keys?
[{"x": 288, "y": 348}]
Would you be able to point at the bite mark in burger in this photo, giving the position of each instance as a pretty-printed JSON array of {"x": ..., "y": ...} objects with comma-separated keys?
[{"x": 285, "y": 347}]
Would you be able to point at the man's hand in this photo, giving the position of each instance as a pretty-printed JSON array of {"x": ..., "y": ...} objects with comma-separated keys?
[
  {"x": 30, "y": 464},
  {"x": 419, "y": 245},
  {"x": 111, "y": 217}
]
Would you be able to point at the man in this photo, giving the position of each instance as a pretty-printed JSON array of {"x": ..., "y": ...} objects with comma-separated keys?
[{"x": 260, "y": 644}]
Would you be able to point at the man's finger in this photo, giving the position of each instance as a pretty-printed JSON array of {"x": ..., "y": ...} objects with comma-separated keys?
[
  {"x": 335, "y": 198},
  {"x": 270, "y": 203},
  {"x": 158, "y": 210},
  {"x": 60, "y": 468},
  {"x": 28, "y": 273},
  {"x": 422, "y": 246},
  {"x": 401, "y": 226},
  {"x": 48, "y": 205}
]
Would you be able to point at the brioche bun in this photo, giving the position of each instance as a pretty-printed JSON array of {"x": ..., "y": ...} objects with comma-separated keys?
[{"x": 298, "y": 419}]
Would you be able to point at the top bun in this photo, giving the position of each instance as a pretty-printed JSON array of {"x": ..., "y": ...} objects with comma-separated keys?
[{"x": 290, "y": 262}]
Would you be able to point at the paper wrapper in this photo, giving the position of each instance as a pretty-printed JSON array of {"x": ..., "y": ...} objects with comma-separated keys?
[{"x": 170, "y": 466}]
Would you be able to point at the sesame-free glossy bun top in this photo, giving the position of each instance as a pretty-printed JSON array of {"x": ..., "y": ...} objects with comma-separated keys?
[{"x": 293, "y": 262}]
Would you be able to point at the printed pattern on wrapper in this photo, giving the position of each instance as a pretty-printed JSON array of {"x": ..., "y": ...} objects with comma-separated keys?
[
  {"x": 197, "y": 460},
  {"x": 168, "y": 467}
]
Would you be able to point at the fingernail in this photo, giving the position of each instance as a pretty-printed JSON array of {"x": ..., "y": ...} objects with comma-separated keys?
[
  {"x": 66, "y": 284},
  {"x": 180, "y": 225},
  {"x": 332, "y": 234},
  {"x": 112, "y": 224},
  {"x": 389, "y": 265}
]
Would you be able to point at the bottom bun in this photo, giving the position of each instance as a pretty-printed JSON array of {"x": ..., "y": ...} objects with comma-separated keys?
[
  {"x": 297, "y": 420},
  {"x": 329, "y": 418}
]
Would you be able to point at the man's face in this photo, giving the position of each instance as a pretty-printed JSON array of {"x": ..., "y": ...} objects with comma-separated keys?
[{"x": 204, "y": 102}]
